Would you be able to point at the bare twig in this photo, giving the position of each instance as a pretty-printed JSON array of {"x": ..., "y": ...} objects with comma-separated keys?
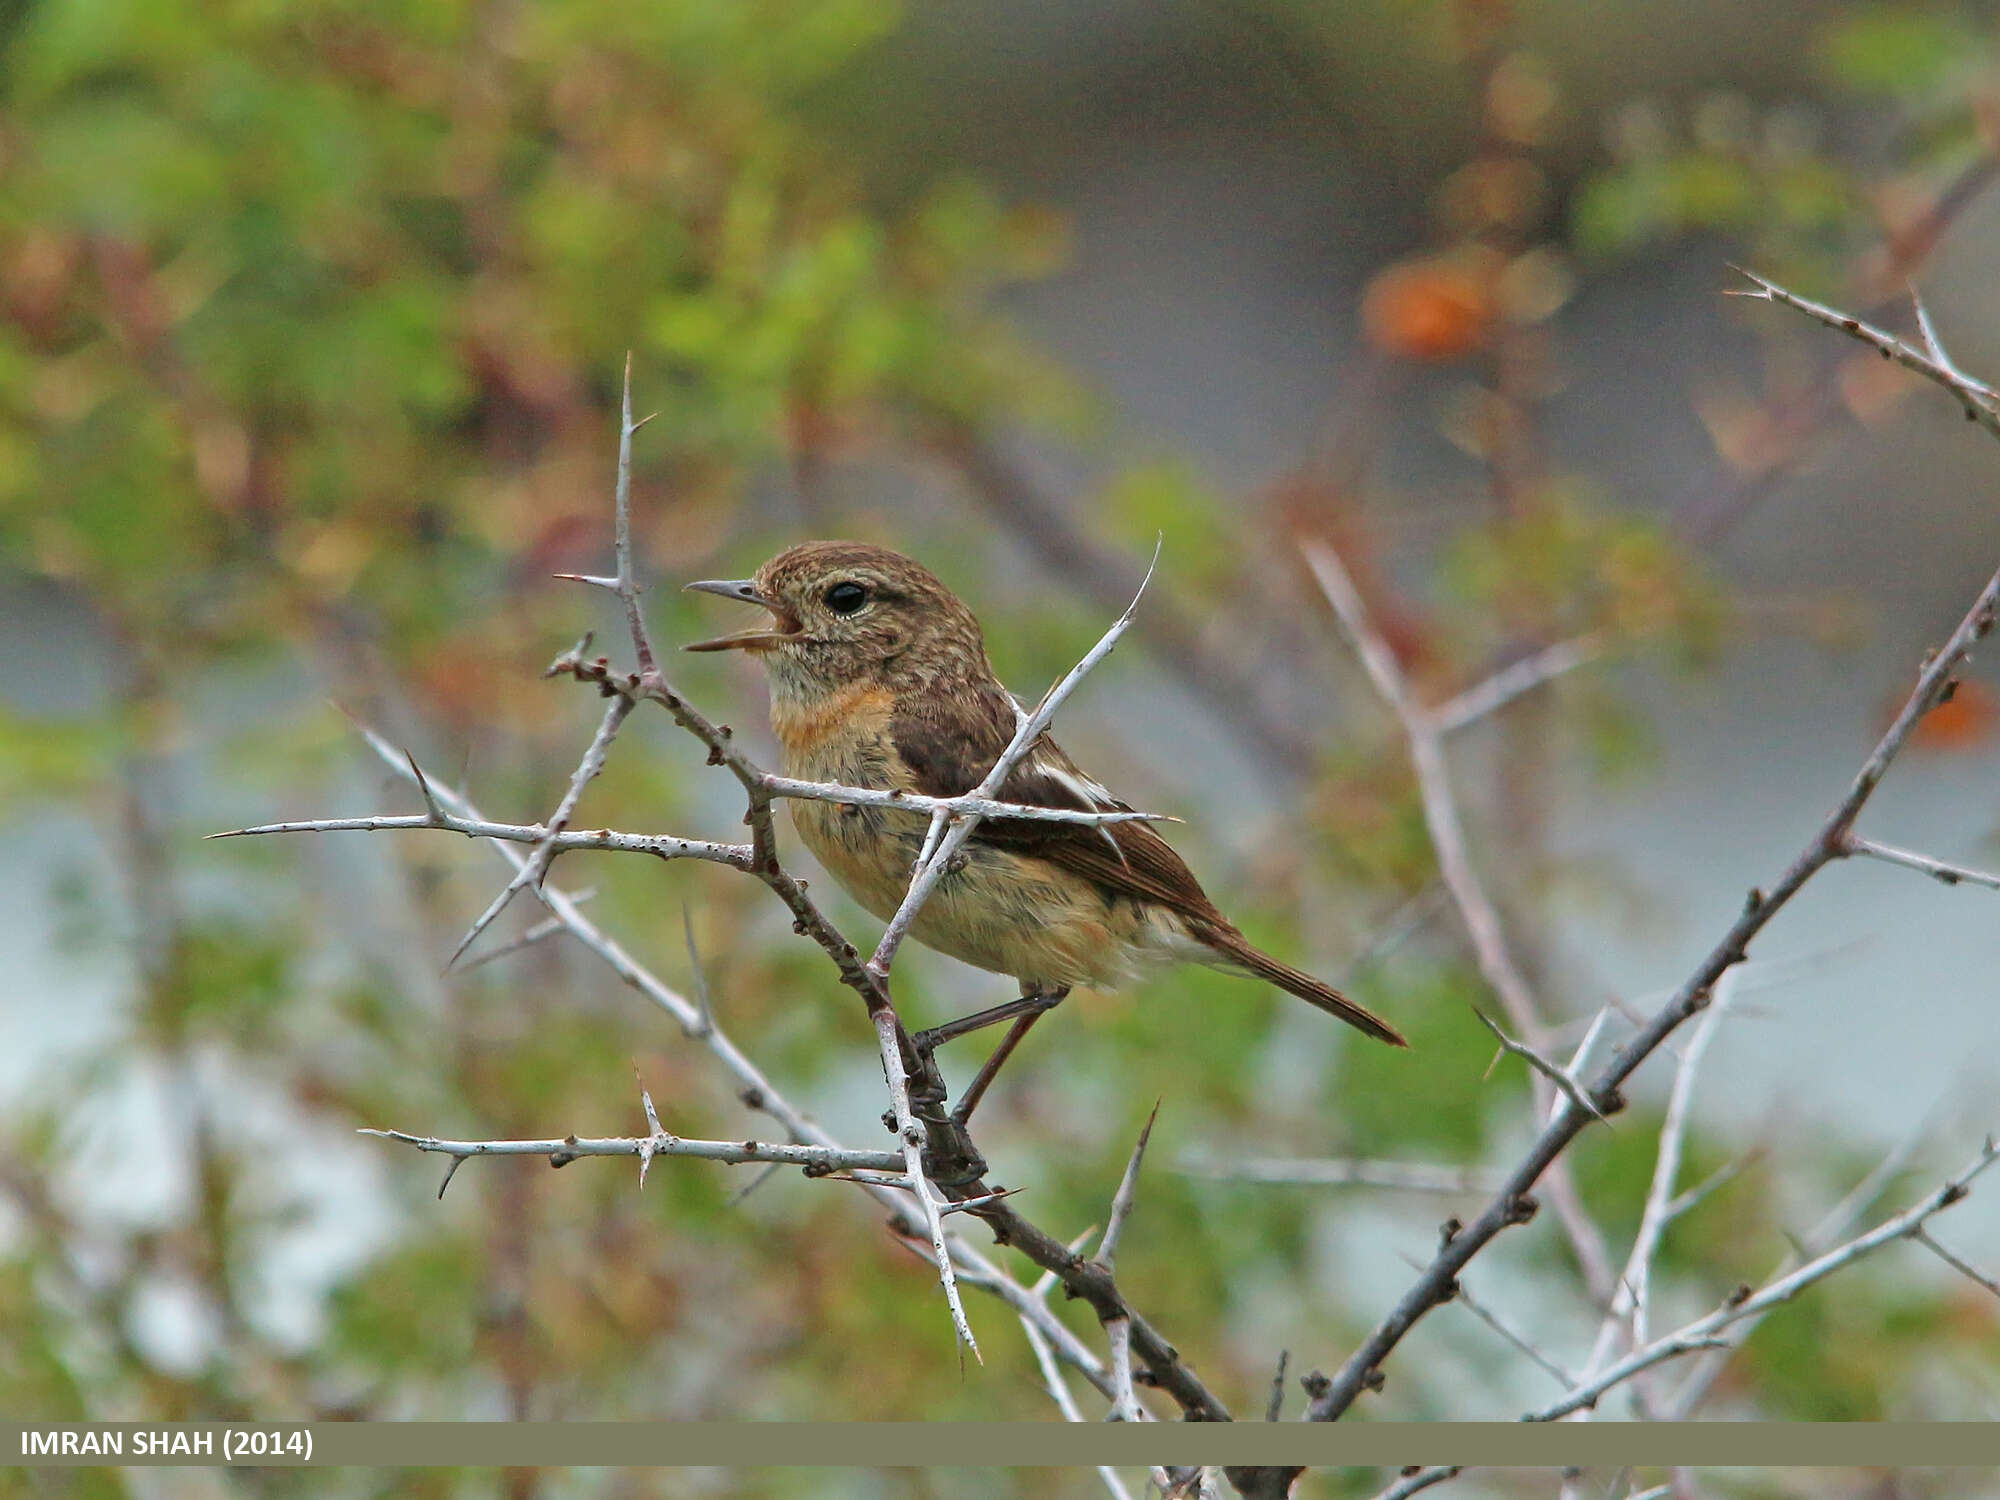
[
  {"x": 930, "y": 869},
  {"x": 1629, "y": 1304},
  {"x": 700, "y": 977},
  {"x": 1922, "y": 1237},
  {"x": 541, "y": 932},
  {"x": 1417, "y": 1480},
  {"x": 1403, "y": 1176},
  {"x": 1553, "y": 1071},
  {"x": 1705, "y": 1333},
  {"x": 1058, "y": 1388},
  {"x": 545, "y": 852},
  {"x": 1981, "y": 402},
  {"x": 1476, "y": 909},
  {"x": 1727, "y": 1173},
  {"x": 1836, "y": 1222},
  {"x": 1512, "y": 1205},
  {"x": 1440, "y": 802},
  {"x": 971, "y": 804},
  {"x": 818, "y": 1160},
  {"x": 1125, "y": 1399},
  {"x": 1937, "y": 869},
  {"x": 1520, "y": 1341},
  {"x": 1127, "y": 1195},
  {"x": 663, "y": 846},
  {"x": 889, "y": 1035},
  {"x": 1507, "y": 684},
  {"x": 1717, "y": 500},
  {"x": 625, "y": 584}
]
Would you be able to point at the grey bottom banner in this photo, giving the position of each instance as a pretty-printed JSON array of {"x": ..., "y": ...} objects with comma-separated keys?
[{"x": 1004, "y": 1445}]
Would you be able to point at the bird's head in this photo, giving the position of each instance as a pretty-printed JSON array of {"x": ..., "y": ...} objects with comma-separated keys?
[{"x": 846, "y": 612}]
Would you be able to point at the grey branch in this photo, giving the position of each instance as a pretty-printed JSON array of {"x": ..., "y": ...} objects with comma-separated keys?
[
  {"x": 1045, "y": 1361},
  {"x": 1440, "y": 802},
  {"x": 1554, "y": 1072},
  {"x": 1964, "y": 1268},
  {"x": 969, "y": 805},
  {"x": 1909, "y": 859},
  {"x": 564, "y": 908},
  {"x": 1524, "y": 676},
  {"x": 1127, "y": 1195},
  {"x": 944, "y": 842},
  {"x": 1980, "y": 400},
  {"x": 541, "y": 932},
  {"x": 1476, "y": 909},
  {"x": 1705, "y": 1332},
  {"x": 1629, "y": 1304},
  {"x": 816, "y": 1159},
  {"x": 1520, "y": 1341},
  {"x": 1125, "y": 1405},
  {"x": 1512, "y": 1204},
  {"x": 625, "y": 585},
  {"x": 1343, "y": 1171},
  {"x": 911, "y": 1136},
  {"x": 1835, "y": 1223},
  {"x": 664, "y": 846},
  {"x": 546, "y": 850}
]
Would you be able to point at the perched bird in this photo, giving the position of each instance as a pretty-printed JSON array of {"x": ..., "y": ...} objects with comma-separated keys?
[{"x": 879, "y": 679}]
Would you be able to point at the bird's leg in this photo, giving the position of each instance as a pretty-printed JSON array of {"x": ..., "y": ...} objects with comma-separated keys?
[
  {"x": 1032, "y": 1003},
  {"x": 990, "y": 1069}
]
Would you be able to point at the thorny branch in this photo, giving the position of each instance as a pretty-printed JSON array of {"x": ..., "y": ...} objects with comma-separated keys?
[
  {"x": 1980, "y": 401},
  {"x": 1514, "y": 1203},
  {"x": 1629, "y": 1304},
  {"x": 952, "y": 819},
  {"x": 944, "y": 841},
  {"x": 1705, "y": 1332},
  {"x": 1842, "y": 1217},
  {"x": 1403, "y": 1176},
  {"x": 938, "y": 1138},
  {"x": 1833, "y": 840},
  {"x": 819, "y": 1161},
  {"x": 1476, "y": 909}
]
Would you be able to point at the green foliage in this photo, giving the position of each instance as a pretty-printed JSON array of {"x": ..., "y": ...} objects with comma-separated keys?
[
  {"x": 1901, "y": 51},
  {"x": 1566, "y": 565},
  {"x": 1447, "y": 1067}
]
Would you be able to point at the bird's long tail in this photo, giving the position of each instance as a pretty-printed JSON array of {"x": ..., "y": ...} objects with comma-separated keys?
[{"x": 1234, "y": 951}]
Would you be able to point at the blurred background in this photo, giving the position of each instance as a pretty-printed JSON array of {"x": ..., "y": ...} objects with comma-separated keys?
[{"x": 311, "y": 323}]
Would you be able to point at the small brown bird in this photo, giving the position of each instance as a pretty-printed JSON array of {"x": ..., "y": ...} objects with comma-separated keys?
[{"x": 879, "y": 679}]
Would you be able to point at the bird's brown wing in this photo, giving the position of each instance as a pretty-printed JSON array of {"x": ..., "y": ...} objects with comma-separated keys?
[{"x": 950, "y": 740}]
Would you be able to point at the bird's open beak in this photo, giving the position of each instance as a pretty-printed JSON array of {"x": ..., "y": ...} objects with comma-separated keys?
[{"x": 743, "y": 589}]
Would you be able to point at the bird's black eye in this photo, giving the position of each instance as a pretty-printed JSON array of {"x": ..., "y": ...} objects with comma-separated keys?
[{"x": 846, "y": 598}]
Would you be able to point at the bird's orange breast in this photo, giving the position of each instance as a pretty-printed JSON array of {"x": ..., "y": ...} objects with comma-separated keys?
[{"x": 828, "y": 726}]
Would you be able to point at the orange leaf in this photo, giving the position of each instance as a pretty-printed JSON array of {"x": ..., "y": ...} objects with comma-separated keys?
[{"x": 1430, "y": 309}]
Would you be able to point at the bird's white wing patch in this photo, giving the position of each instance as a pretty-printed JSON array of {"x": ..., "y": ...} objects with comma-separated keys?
[{"x": 1093, "y": 795}]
